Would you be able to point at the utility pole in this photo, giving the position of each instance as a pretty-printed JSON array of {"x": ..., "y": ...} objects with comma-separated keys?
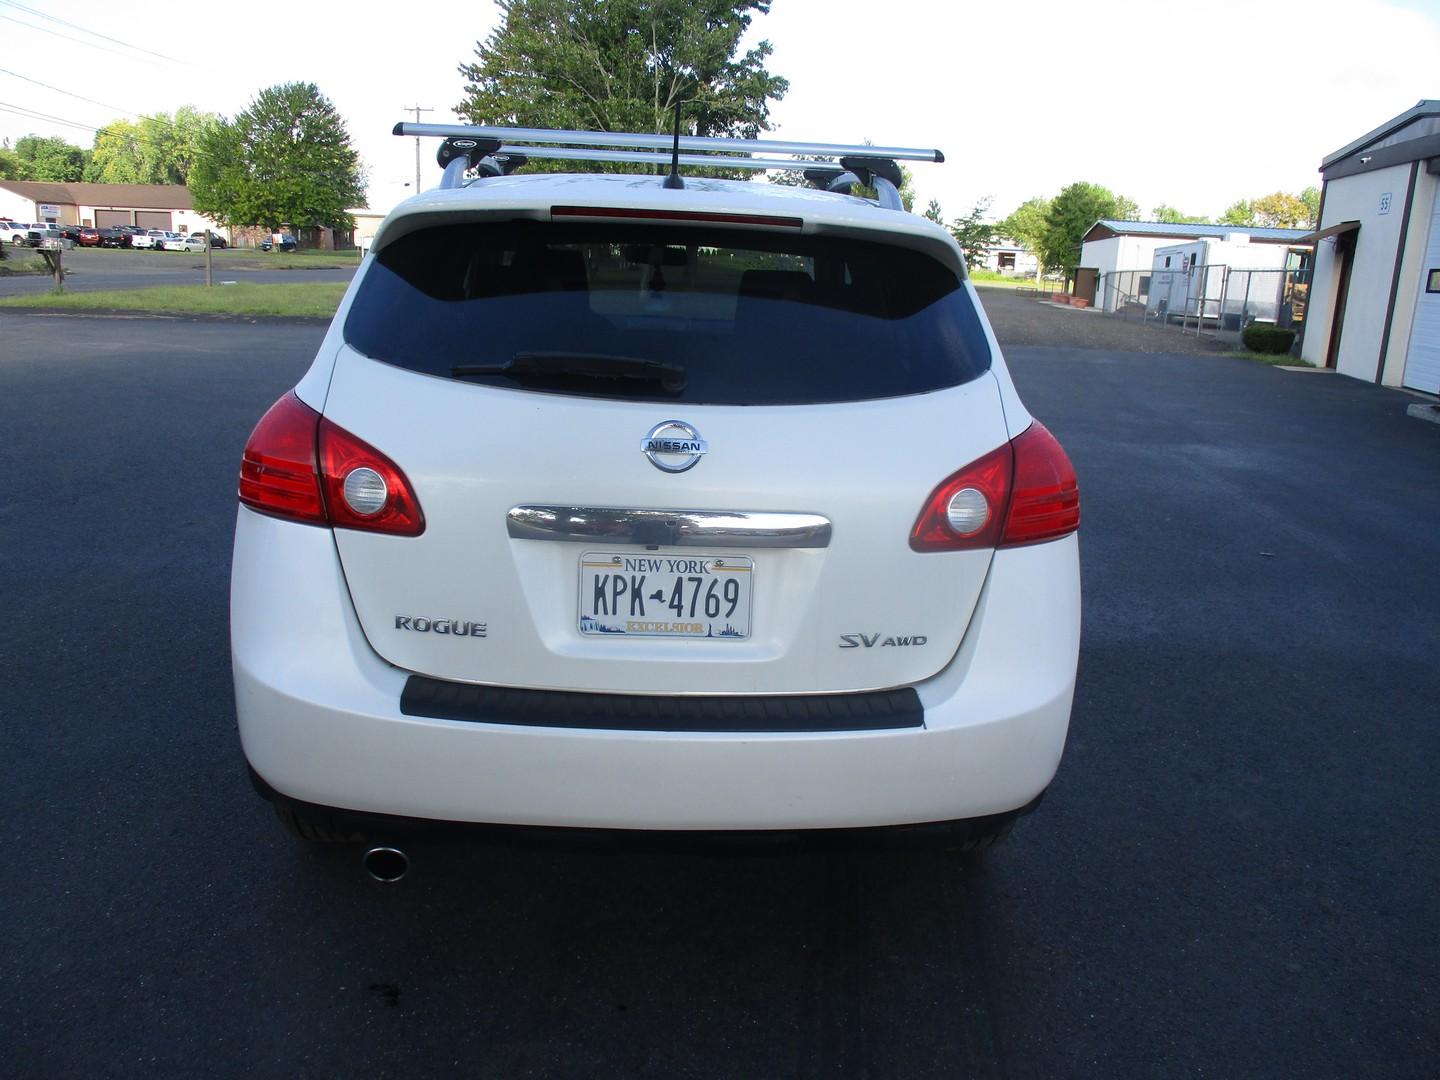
[{"x": 417, "y": 110}]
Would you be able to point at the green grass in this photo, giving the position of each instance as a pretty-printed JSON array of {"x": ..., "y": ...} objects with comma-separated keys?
[
  {"x": 990, "y": 278},
  {"x": 22, "y": 264},
  {"x": 250, "y": 258},
  {"x": 1273, "y": 359},
  {"x": 313, "y": 299}
]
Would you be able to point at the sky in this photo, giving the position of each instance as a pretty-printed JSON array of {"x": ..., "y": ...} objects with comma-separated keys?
[{"x": 1193, "y": 105}]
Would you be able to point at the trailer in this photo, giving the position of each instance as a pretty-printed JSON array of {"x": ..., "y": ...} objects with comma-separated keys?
[{"x": 1192, "y": 280}]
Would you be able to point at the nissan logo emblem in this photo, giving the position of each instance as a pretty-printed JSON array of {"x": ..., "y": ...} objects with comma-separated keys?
[{"x": 673, "y": 446}]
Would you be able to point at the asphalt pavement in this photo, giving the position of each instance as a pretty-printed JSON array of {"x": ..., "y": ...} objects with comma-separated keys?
[
  {"x": 91, "y": 271},
  {"x": 1234, "y": 874}
]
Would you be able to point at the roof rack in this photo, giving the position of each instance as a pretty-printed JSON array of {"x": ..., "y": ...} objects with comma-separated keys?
[{"x": 498, "y": 151}]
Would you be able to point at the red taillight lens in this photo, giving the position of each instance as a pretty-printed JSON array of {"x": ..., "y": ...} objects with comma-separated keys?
[
  {"x": 1029, "y": 495},
  {"x": 1045, "y": 502},
  {"x": 341, "y": 455},
  {"x": 277, "y": 470},
  {"x": 296, "y": 464},
  {"x": 990, "y": 476}
]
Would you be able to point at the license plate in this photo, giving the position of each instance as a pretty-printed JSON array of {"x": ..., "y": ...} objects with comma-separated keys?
[{"x": 672, "y": 596}]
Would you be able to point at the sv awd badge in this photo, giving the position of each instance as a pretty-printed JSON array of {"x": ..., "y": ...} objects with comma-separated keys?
[{"x": 870, "y": 641}]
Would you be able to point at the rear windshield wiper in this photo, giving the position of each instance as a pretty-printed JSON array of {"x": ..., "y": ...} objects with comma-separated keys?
[{"x": 671, "y": 377}]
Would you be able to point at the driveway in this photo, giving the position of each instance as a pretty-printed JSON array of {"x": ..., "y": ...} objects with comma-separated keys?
[
  {"x": 1022, "y": 321},
  {"x": 1234, "y": 874}
]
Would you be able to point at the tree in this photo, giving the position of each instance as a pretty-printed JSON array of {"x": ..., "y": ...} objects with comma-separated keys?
[
  {"x": 973, "y": 233},
  {"x": 1239, "y": 212},
  {"x": 1278, "y": 210},
  {"x": 1126, "y": 209},
  {"x": 934, "y": 213},
  {"x": 11, "y": 166},
  {"x": 1070, "y": 216},
  {"x": 50, "y": 158},
  {"x": 287, "y": 159},
  {"x": 623, "y": 65},
  {"x": 1170, "y": 216},
  {"x": 1026, "y": 225}
]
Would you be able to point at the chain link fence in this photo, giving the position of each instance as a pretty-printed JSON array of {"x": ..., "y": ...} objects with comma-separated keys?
[{"x": 1217, "y": 301}]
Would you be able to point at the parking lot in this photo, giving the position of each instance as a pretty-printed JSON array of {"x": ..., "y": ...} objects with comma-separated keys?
[{"x": 1234, "y": 874}]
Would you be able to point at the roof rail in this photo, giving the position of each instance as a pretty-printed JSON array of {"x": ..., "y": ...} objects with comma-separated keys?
[{"x": 497, "y": 151}]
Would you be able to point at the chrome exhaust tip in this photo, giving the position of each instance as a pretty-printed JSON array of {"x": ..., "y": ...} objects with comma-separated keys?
[{"x": 386, "y": 865}]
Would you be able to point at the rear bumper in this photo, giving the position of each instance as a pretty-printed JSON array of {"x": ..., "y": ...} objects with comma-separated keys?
[{"x": 321, "y": 724}]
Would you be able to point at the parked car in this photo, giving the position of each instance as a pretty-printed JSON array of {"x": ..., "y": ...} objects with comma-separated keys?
[
  {"x": 837, "y": 587},
  {"x": 89, "y": 237},
  {"x": 45, "y": 234},
  {"x": 287, "y": 243},
  {"x": 70, "y": 232},
  {"x": 193, "y": 242},
  {"x": 150, "y": 238},
  {"x": 114, "y": 236},
  {"x": 15, "y": 233},
  {"x": 216, "y": 240},
  {"x": 172, "y": 241}
]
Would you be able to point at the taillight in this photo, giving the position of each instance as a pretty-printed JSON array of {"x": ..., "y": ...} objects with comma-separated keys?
[
  {"x": 1045, "y": 503},
  {"x": 277, "y": 469},
  {"x": 1021, "y": 493},
  {"x": 300, "y": 466},
  {"x": 364, "y": 489}
]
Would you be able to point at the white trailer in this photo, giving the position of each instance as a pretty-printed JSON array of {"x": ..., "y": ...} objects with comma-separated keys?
[{"x": 1190, "y": 279}]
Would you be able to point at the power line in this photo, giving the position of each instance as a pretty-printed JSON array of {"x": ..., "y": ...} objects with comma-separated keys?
[
  {"x": 29, "y": 115},
  {"x": 67, "y": 37},
  {"x": 80, "y": 97},
  {"x": 86, "y": 30}
]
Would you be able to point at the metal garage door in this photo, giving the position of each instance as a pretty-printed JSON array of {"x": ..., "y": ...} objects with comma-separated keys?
[
  {"x": 1422, "y": 362},
  {"x": 106, "y": 218},
  {"x": 153, "y": 219}
]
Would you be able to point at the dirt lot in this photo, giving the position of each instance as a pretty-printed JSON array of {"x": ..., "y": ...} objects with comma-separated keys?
[{"x": 1020, "y": 321}]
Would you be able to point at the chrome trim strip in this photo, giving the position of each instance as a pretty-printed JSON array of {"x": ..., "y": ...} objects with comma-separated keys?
[{"x": 669, "y": 528}]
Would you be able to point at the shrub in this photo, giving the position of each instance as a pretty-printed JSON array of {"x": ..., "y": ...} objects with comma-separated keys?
[{"x": 1265, "y": 338}]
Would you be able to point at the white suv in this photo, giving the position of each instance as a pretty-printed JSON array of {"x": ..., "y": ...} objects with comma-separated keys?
[{"x": 610, "y": 505}]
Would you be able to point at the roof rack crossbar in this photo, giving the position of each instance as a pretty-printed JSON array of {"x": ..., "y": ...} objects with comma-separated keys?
[
  {"x": 637, "y": 141},
  {"x": 712, "y": 161}
]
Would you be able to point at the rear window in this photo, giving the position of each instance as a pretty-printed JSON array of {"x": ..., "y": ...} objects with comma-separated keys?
[{"x": 752, "y": 318}]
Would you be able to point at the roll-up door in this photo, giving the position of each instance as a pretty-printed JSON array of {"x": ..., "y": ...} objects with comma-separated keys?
[
  {"x": 1422, "y": 362},
  {"x": 153, "y": 219},
  {"x": 104, "y": 219}
]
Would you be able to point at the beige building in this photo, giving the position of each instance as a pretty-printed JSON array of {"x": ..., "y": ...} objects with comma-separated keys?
[
  {"x": 1375, "y": 301},
  {"x": 150, "y": 206}
]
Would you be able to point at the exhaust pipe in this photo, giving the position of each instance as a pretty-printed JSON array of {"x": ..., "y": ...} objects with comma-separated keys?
[{"x": 386, "y": 865}]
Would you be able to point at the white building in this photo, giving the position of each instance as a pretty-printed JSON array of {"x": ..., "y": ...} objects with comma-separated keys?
[
  {"x": 1004, "y": 255},
  {"x": 1375, "y": 298},
  {"x": 1116, "y": 257},
  {"x": 150, "y": 206}
]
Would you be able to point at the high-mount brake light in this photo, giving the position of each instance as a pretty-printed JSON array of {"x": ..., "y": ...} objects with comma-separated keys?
[
  {"x": 302, "y": 467},
  {"x": 1024, "y": 492},
  {"x": 643, "y": 214}
]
